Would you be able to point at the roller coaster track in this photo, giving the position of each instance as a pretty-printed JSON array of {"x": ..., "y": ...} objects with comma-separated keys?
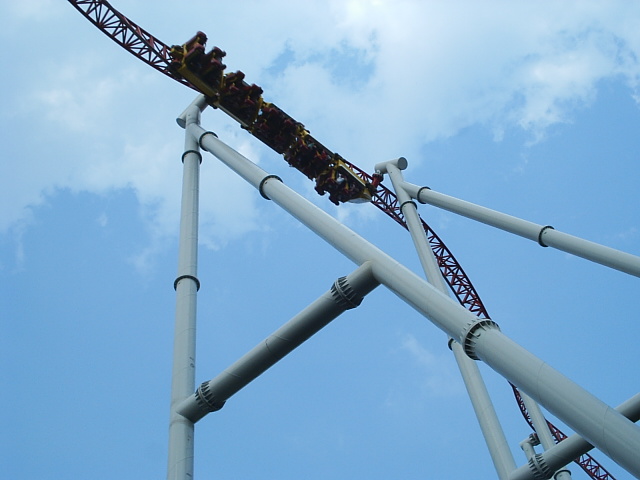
[{"x": 158, "y": 55}]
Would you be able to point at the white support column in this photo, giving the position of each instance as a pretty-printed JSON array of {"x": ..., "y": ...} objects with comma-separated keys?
[
  {"x": 544, "y": 434},
  {"x": 571, "y": 447},
  {"x": 546, "y": 236},
  {"x": 600, "y": 424},
  {"x": 181, "y": 430},
  {"x": 410, "y": 212},
  {"x": 527, "y": 446},
  {"x": 480, "y": 400}
]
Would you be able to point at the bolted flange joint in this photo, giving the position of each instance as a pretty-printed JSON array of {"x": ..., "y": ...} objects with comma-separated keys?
[
  {"x": 205, "y": 399},
  {"x": 344, "y": 295},
  {"x": 472, "y": 331},
  {"x": 539, "y": 468}
]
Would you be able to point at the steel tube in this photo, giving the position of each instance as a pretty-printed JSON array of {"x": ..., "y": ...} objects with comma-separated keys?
[
  {"x": 181, "y": 434},
  {"x": 544, "y": 434},
  {"x": 416, "y": 230},
  {"x": 599, "y": 424},
  {"x": 544, "y": 235},
  {"x": 539, "y": 422},
  {"x": 191, "y": 113},
  {"x": 485, "y": 413},
  {"x": 573, "y": 446},
  {"x": 527, "y": 447},
  {"x": 492, "y": 431},
  {"x": 615, "y": 435},
  {"x": 345, "y": 294}
]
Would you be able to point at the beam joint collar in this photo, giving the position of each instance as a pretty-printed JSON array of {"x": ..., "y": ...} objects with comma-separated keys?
[
  {"x": 264, "y": 180},
  {"x": 473, "y": 330},
  {"x": 182, "y": 277},
  {"x": 539, "y": 468},
  {"x": 544, "y": 229},
  {"x": 206, "y": 400},
  {"x": 344, "y": 295},
  {"x": 184, "y": 155},
  {"x": 204, "y": 135}
]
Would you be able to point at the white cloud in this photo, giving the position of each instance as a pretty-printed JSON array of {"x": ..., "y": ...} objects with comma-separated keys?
[
  {"x": 428, "y": 70},
  {"x": 33, "y": 10},
  {"x": 92, "y": 133},
  {"x": 442, "y": 67},
  {"x": 438, "y": 376},
  {"x": 102, "y": 220}
]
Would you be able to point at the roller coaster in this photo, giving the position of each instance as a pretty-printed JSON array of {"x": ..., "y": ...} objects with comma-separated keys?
[{"x": 191, "y": 65}]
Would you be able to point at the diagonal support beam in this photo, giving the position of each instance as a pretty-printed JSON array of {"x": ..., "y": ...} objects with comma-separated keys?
[
  {"x": 482, "y": 405},
  {"x": 570, "y": 448},
  {"x": 597, "y": 422},
  {"x": 546, "y": 236},
  {"x": 345, "y": 294}
]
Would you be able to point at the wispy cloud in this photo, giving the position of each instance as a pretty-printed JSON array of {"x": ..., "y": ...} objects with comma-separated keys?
[
  {"x": 437, "y": 374},
  {"x": 428, "y": 376},
  {"x": 369, "y": 78}
]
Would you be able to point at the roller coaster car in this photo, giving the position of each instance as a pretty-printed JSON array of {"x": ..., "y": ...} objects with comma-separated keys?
[
  {"x": 376, "y": 179},
  {"x": 308, "y": 155},
  {"x": 187, "y": 53},
  {"x": 275, "y": 128},
  {"x": 240, "y": 99},
  {"x": 204, "y": 71},
  {"x": 342, "y": 184},
  {"x": 266, "y": 121},
  {"x": 212, "y": 68}
]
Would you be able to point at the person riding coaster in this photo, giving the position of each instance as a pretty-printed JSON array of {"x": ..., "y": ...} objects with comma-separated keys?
[
  {"x": 267, "y": 122},
  {"x": 342, "y": 185}
]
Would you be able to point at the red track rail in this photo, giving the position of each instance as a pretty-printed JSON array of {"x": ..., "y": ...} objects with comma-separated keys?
[
  {"x": 155, "y": 53},
  {"x": 127, "y": 34}
]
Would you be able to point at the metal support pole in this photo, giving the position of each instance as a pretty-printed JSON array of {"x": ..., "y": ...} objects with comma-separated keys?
[
  {"x": 481, "y": 339},
  {"x": 546, "y": 236},
  {"x": 480, "y": 400},
  {"x": 570, "y": 448},
  {"x": 597, "y": 422},
  {"x": 180, "y": 456},
  {"x": 527, "y": 446},
  {"x": 346, "y": 293},
  {"x": 410, "y": 212},
  {"x": 544, "y": 434},
  {"x": 485, "y": 413}
]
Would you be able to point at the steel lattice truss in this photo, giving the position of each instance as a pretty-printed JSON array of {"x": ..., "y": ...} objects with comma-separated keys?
[
  {"x": 157, "y": 54},
  {"x": 127, "y": 34}
]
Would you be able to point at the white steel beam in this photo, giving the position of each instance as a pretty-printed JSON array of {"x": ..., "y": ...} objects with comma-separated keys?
[
  {"x": 492, "y": 431},
  {"x": 600, "y": 424},
  {"x": 346, "y": 293},
  {"x": 180, "y": 454},
  {"x": 570, "y": 448},
  {"x": 544, "y": 434},
  {"x": 546, "y": 236},
  {"x": 485, "y": 412}
]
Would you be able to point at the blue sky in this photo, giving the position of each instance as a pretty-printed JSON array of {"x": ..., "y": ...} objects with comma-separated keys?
[{"x": 528, "y": 108}]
